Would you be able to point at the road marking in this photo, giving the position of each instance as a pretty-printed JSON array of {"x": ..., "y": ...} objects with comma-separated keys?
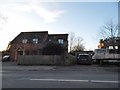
[
  {"x": 66, "y": 80},
  {"x": 1, "y": 71},
  {"x": 61, "y": 80},
  {"x": 100, "y": 81},
  {"x": 5, "y": 71}
]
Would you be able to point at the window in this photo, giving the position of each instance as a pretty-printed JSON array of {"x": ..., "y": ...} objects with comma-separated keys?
[
  {"x": 60, "y": 41},
  {"x": 24, "y": 41},
  {"x": 35, "y": 41},
  {"x": 116, "y": 47},
  {"x": 110, "y": 47}
]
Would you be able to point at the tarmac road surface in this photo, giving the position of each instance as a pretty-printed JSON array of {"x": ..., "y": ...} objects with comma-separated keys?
[{"x": 78, "y": 76}]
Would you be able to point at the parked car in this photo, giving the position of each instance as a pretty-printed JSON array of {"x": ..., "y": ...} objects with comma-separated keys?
[
  {"x": 84, "y": 59},
  {"x": 5, "y": 58}
]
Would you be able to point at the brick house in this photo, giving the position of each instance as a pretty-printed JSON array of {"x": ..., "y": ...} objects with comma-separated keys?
[{"x": 32, "y": 43}]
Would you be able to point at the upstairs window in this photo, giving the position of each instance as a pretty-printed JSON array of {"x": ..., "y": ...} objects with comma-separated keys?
[
  {"x": 24, "y": 41},
  {"x": 60, "y": 41},
  {"x": 35, "y": 41}
]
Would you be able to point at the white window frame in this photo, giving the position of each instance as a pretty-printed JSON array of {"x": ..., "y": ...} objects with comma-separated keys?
[
  {"x": 35, "y": 40},
  {"x": 24, "y": 41},
  {"x": 61, "y": 41}
]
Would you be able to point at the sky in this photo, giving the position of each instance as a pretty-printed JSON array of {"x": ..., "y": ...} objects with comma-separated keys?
[{"x": 82, "y": 18}]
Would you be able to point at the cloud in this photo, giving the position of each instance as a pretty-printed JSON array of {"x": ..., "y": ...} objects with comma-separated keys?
[
  {"x": 22, "y": 8},
  {"x": 44, "y": 13},
  {"x": 47, "y": 15}
]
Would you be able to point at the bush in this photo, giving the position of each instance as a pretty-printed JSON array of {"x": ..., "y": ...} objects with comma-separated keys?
[{"x": 69, "y": 59}]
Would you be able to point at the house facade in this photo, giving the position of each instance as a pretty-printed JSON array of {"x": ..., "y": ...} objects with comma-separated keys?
[{"x": 32, "y": 43}]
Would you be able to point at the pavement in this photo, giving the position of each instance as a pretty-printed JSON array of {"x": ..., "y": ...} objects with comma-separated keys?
[{"x": 12, "y": 66}]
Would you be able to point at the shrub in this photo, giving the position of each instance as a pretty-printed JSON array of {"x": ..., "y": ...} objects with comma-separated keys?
[{"x": 69, "y": 59}]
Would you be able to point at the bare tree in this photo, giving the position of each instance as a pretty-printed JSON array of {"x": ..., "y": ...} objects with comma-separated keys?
[
  {"x": 71, "y": 40},
  {"x": 109, "y": 31},
  {"x": 79, "y": 46},
  {"x": 75, "y": 43}
]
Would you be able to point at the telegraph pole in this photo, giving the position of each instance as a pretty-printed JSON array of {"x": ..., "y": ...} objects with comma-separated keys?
[
  {"x": 119, "y": 19},
  {"x": 119, "y": 27}
]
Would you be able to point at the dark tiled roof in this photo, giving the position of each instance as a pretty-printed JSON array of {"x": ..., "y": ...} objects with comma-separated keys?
[
  {"x": 29, "y": 35},
  {"x": 56, "y": 34},
  {"x": 41, "y": 35}
]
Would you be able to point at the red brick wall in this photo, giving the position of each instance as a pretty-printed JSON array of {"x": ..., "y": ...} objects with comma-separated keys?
[{"x": 25, "y": 48}]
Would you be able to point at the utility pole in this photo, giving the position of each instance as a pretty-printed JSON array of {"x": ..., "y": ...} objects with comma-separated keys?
[{"x": 119, "y": 27}]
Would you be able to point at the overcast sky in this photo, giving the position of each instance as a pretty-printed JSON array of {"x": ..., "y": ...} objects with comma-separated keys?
[{"x": 82, "y": 18}]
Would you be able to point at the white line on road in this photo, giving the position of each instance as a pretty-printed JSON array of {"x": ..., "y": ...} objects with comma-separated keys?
[
  {"x": 5, "y": 71},
  {"x": 99, "y": 81},
  {"x": 62, "y": 80},
  {"x": 66, "y": 80}
]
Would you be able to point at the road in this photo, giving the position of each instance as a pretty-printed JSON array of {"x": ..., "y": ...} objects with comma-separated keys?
[{"x": 78, "y": 76}]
